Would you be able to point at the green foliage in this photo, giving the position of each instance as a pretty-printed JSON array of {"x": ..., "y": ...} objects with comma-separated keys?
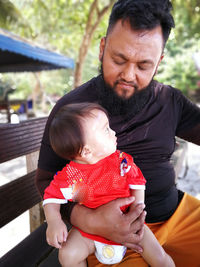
[
  {"x": 54, "y": 82},
  {"x": 21, "y": 82},
  {"x": 187, "y": 18},
  {"x": 8, "y": 13},
  {"x": 11, "y": 17},
  {"x": 178, "y": 69}
]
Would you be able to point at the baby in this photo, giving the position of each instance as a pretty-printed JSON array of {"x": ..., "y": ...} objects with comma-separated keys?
[{"x": 96, "y": 174}]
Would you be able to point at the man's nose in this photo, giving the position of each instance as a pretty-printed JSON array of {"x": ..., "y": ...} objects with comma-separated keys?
[{"x": 129, "y": 73}]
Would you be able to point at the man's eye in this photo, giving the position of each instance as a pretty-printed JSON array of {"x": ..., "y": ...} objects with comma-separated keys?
[
  {"x": 118, "y": 62},
  {"x": 107, "y": 129},
  {"x": 144, "y": 67}
]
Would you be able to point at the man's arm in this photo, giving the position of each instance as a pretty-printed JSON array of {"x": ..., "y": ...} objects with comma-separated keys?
[
  {"x": 43, "y": 179},
  {"x": 192, "y": 135},
  {"x": 109, "y": 221}
]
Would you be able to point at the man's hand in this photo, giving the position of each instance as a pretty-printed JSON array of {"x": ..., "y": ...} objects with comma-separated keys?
[
  {"x": 56, "y": 233},
  {"x": 110, "y": 222}
]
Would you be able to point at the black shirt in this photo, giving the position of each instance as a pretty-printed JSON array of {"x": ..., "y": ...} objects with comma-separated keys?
[{"x": 148, "y": 135}]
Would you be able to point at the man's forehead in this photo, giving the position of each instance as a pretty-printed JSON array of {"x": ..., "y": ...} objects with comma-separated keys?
[
  {"x": 146, "y": 44},
  {"x": 124, "y": 27}
]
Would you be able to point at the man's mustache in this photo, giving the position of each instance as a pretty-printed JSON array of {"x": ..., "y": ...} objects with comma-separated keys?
[{"x": 130, "y": 83}]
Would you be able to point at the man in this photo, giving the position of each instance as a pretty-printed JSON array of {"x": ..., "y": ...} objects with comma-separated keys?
[{"x": 146, "y": 117}]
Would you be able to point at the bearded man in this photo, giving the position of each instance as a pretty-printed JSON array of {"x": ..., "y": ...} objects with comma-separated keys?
[{"x": 146, "y": 116}]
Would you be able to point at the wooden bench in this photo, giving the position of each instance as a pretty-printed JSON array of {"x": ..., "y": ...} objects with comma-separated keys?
[{"x": 21, "y": 194}]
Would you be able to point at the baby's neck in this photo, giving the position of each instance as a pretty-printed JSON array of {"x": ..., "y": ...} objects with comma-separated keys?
[{"x": 82, "y": 160}]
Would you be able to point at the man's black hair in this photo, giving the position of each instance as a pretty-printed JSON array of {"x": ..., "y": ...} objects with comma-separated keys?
[{"x": 143, "y": 15}]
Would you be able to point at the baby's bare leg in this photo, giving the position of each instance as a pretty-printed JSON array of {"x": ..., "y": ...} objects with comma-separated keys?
[
  {"x": 153, "y": 253},
  {"x": 75, "y": 250}
]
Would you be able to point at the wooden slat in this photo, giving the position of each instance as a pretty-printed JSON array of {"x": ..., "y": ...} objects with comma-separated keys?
[
  {"x": 18, "y": 196},
  {"x": 21, "y": 194},
  {"x": 36, "y": 213},
  {"x": 20, "y": 139}
]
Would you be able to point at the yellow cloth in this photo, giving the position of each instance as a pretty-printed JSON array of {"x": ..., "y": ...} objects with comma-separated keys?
[{"x": 179, "y": 236}]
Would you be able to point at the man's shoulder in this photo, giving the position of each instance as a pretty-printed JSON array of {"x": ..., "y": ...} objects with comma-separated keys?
[
  {"x": 164, "y": 91},
  {"x": 161, "y": 87}
]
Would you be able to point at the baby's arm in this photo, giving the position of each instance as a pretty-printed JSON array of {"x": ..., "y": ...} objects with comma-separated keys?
[
  {"x": 56, "y": 229},
  {"x": 139, "y": 196}
]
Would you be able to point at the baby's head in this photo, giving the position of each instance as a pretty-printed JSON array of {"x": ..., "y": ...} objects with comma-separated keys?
[{"x": 81, "y": 132}]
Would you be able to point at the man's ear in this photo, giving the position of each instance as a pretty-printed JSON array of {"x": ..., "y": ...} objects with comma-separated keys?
[
  {"x": 86, "y": 152},
  {"x": 161, "y": 58},
  {"x": 101, "y": 48}
]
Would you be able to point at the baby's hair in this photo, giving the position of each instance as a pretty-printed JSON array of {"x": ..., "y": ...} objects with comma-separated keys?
[{"x": 66, "y": 133}]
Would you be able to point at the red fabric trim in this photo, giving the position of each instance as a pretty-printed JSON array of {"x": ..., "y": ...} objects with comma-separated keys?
[{"x": 97, "y": 238}]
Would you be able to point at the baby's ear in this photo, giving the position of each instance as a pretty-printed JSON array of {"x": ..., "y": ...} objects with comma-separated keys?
[{"x": 86, "y": 152}]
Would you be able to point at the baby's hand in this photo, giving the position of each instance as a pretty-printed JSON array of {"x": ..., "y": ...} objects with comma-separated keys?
[{"x": 56, "y": 233}]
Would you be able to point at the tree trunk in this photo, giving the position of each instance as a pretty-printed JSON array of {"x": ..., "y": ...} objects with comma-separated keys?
[
  {"x": 38, "y": 91},
  {"x": 91, "y": 26}
]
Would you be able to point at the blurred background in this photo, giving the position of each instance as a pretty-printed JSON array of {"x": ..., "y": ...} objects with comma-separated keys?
[{"x": 73, "y": 28}]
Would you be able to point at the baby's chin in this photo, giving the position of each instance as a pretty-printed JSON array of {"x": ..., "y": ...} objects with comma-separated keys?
[{"x": 106, "y": 153}]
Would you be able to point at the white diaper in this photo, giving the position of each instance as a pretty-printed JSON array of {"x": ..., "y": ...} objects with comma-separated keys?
[{"x": 109, "y": 254}]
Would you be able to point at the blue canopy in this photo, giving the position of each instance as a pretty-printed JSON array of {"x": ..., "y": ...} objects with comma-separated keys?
[{"x": 17, "y": 55}]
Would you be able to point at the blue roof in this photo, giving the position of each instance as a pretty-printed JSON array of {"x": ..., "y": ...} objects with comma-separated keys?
[{"x": 21, "y": 55}]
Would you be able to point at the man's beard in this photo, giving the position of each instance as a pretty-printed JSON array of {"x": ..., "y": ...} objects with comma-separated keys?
[{"x": 116, "y": 105}]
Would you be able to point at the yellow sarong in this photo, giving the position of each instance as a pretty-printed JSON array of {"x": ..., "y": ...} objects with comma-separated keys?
[{"x": 179, "y": 236}]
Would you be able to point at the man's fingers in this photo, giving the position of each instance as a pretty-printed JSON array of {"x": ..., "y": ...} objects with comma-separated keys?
[
  {"x": 134, "y": 247},
  {"x": 136, "y": 212},
  {"x": 140, "y": 233},
  {"x": 143, "y": 216},
  {"x": 137, "y": 227},
  {"x": 138, "y": 206},
  {"x": 135, "y": 236},
  {"x": 120, "y": 202},
  {"x": 134, "y": 240}
]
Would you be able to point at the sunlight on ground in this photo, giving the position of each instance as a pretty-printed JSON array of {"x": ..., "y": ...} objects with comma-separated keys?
[
  {"x": 198, "y": 196},
  {"x": 12, "y": 169},
  {"x": 14, "y": 232}
]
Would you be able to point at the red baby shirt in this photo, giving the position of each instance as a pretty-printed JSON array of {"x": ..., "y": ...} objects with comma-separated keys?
[{"x": 95, "y": 184}]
